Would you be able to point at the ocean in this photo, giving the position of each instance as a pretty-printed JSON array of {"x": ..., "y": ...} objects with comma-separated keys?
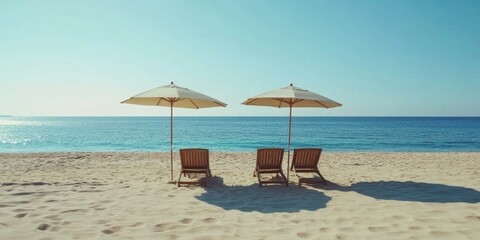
[{"x": 239, "y": 134}]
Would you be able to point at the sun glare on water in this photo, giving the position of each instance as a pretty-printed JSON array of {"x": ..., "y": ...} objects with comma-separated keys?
[{"x": 19, "y": 123}]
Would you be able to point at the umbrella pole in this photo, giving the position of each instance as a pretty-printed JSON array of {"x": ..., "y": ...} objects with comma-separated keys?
[
  {"x": 171, "y": 141},
  {"x": 289, "y": 133}
]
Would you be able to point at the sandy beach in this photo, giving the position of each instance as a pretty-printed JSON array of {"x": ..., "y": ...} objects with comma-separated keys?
[{"x": 125, "y": 195}]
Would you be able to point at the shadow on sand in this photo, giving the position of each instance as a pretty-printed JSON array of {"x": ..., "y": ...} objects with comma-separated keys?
[
  {"x": 267, "y": 199},
  {"x": 412, "y": 191}
]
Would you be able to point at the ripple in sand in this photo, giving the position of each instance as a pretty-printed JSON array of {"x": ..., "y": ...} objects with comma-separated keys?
[
  {"x": 303, "y": 234},
  {"x": 437, "y": 233},
  {"x": 112, "y": 230},
  {"x": 53, "y": 217},
  {"x": 22, "y": 193},
  {"x": 160, "y": 227},
  {"x": 55, "y": 229},
  {"x": 477, "y": 218},
  {"x": 377, "y": 229},
  {"x": 209, "y": 220},
  {"x": 89, "y": 191},
  {"x": 18, "y": 202},
  {"x": 137, "y": 224},
  {"x": 74, "y": 210}
]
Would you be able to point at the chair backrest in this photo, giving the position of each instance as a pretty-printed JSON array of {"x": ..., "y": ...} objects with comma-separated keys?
[
  {"x": 270, "y": 158},
  {"x": 194, "y": 158},
  {"x": 306, "y": 157}
]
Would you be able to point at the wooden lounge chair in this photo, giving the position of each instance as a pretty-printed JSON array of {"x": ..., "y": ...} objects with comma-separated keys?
[
  {"x": 269, "y": 161},
  {"x": 194, "y": 161},
  {"x": 305, "y": 160}
]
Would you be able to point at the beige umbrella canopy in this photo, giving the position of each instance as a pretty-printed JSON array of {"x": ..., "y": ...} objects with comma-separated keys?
[
  {"x": 291, "y": 97},
  {"x": 174, "y": 96}
]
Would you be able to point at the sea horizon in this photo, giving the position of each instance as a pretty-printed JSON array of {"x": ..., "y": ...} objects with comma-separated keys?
[
  {"x": 248, "y": 116},
  {"x": 238, "y": 133}
]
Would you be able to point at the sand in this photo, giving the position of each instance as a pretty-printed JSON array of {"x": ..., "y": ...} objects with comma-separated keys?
[{"x": 125, "y": 195}]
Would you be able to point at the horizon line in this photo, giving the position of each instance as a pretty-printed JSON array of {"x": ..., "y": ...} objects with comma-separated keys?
[{"x": 399, "y": 116}]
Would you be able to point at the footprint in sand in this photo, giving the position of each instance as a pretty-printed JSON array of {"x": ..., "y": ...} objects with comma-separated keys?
[
  {"x": 415, "y": 228},
  {"x": 21, "y": 215},
  {"x": 186, "y": 220},
  {"x": 43, "y": 227},
  {"x": 324, "y": 229}
]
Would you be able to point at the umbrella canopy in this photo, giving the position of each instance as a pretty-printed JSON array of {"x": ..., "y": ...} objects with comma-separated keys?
[
  {"x": 174, "y": 96},
  {"x": 291, "y": 97}
]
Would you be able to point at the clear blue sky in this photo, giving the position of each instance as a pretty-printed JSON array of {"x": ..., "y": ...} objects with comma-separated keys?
[{"x": 378, "y": 58}]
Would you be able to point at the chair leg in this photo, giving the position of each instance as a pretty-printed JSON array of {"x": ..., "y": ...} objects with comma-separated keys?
[
  {"x": 259, "y": 180},
  {"x": 179, "y": 177},
  {"x": 283, "y": 176},
  {"x": 323, "y": 179},
  {"x": 207, "y": 174},
  {"x": 295, "y": 173}
]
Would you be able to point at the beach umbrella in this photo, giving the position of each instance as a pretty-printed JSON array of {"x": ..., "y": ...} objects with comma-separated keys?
[
  {"x": 174, "y": 96},
  {"x": 290, "y": 97}
]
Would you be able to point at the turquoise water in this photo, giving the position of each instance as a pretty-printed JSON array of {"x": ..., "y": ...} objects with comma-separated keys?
[{"x": 378, "y": 134}]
